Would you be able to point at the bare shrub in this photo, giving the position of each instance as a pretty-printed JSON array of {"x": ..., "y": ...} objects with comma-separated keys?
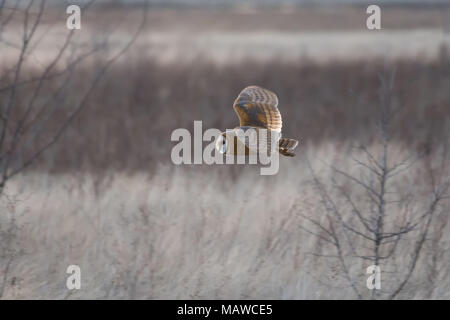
[
  {"x": 29, "y": 104},
  {"x": 373, "y": 216}
]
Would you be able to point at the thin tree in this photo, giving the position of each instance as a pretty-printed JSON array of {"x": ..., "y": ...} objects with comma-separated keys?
[
  {"x": 22, "y": 123},
  {"x": 369, "y": 218},
  {"x": 29, "y": 103}
]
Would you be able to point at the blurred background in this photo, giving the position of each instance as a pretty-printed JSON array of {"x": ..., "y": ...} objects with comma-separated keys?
[{"x": 87, "y": 177}]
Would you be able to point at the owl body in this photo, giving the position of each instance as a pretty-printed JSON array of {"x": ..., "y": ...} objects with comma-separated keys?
[
  {"x": 260, "y": 126},
  {"x": 245, "y": 141},
  {"x": 228, "y": 143}
]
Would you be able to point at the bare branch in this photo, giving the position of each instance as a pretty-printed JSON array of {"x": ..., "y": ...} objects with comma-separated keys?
[{"x": 82, "y": 103}]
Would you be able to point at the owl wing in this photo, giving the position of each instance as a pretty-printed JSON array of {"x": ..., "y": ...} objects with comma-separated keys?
[
  {"x": 258, "y": 139},
  {"x": 257, "y": 107}
]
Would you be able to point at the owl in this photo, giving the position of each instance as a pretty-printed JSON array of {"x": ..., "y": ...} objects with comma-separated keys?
[{"x": 260, "y": 126}]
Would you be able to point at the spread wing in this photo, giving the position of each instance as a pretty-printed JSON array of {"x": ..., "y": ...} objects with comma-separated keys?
[
  {"x": 258, "y": 139},
  {"x": 257, "y": 107}
]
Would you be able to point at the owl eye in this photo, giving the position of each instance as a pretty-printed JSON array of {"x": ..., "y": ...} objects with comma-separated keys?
[{"x": 223, "y": 149}]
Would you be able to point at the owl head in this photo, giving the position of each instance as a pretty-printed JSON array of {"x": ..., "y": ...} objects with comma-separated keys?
[
  {"x": 222, "y": 143},
  {"x": 225, "y": 142}
]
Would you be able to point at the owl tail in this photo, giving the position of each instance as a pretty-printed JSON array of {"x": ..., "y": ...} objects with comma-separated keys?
[{"x": 287, "y": 146}]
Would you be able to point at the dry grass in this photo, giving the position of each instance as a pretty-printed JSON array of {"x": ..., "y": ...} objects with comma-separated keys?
[
  {"x": 141, "y": 228},
  {"x": 245, "y": 18},
  {"x": 187, "y": 233},
  {"x": 322, "y": 33},
  {"x": 108, "y": 198},
  {"x": 138, "y": 105}
]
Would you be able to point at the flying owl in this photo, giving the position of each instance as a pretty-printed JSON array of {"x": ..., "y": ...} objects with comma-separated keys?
[{"x": 257, "y": 109}]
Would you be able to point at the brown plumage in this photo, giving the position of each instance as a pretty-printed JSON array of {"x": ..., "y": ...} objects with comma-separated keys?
[
  {"x": 285, "y": 146},
  {"x": 257, "y": 109}
]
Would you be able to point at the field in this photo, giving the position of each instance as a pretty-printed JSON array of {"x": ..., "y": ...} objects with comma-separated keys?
[{"x": 107, "y": 197}]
